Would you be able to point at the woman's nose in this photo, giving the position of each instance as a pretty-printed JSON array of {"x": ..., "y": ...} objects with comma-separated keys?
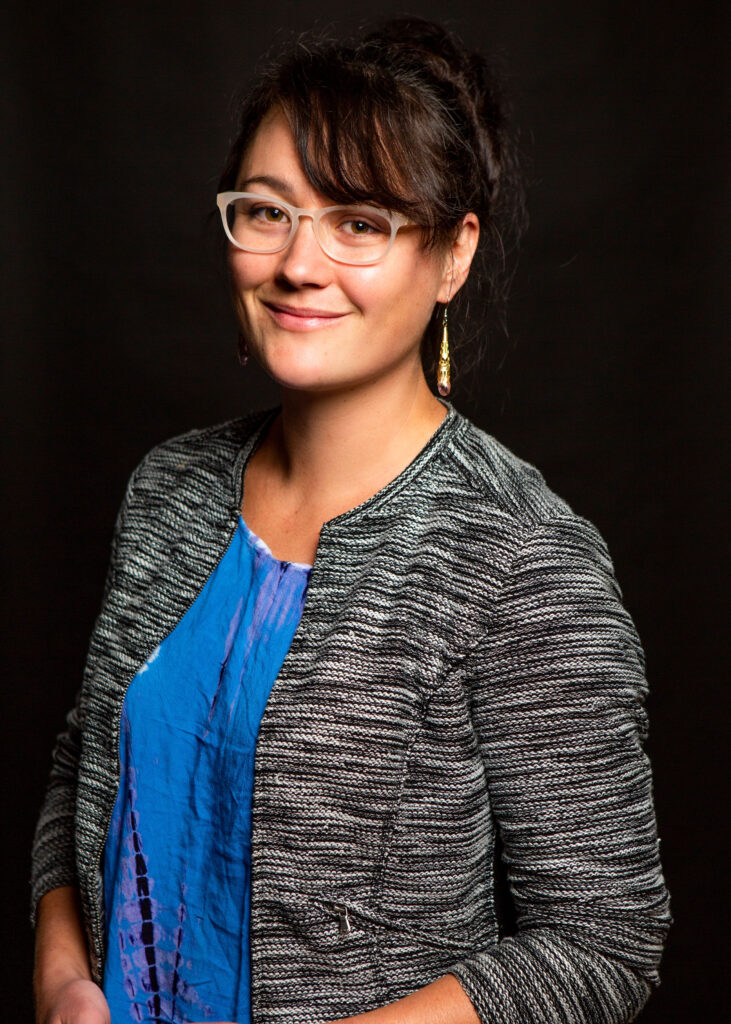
[{"x": 303, "y": 262}]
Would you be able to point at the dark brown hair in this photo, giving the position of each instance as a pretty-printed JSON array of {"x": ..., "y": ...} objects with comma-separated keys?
[{"x": 405, "y": 118}]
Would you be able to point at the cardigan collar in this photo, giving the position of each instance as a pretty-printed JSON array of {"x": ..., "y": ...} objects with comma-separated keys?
[{"x": 447, "y": 430}]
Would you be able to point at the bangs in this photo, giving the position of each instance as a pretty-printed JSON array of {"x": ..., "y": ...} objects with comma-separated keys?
[
  {"x": 355, "y": 129},
  {"x": 355, "y": 137}
]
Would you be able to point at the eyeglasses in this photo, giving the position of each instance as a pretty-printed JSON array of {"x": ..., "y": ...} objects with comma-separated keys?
[{"x": 359, "y": 235}]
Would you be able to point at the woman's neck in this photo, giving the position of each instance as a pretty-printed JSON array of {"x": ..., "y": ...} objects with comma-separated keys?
[{"x": 331, "y": 451}]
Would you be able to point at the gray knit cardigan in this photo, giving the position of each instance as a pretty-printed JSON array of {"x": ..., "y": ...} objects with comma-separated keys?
[{"x": 463, "y": 669}]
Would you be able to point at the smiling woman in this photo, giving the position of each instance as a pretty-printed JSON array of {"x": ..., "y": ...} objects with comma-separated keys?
[
  {"x": 351, "y": 647},
  {"x": 373, "y": 291}
]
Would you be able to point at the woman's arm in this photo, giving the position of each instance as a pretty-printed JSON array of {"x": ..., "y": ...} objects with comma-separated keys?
[
  {"x": 557, "y": 687},
  {"x": 442, "y": 1002},
  {"x": 557, "y": 691},
  {"x": 53, "y": 862},
  {"x": 63, "y": 989},
  {"x": 53, "y": 854}
]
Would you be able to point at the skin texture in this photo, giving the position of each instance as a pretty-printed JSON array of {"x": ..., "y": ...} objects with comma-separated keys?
[
  {"x": 64, "y": 991},
  {"x": 356, "y": 409}
]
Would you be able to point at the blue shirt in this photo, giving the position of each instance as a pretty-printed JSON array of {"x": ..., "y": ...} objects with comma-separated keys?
[{"x": 178, "y": 853}]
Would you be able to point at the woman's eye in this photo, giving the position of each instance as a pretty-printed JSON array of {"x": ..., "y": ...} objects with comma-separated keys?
[
  {"x": 360, "y": 227},
  {"x": 269, "y": 214}
]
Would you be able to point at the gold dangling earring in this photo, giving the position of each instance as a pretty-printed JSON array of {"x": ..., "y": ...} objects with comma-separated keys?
[
  {"x": 443, "y": 382},
  {"x": 243, "y": 350}
]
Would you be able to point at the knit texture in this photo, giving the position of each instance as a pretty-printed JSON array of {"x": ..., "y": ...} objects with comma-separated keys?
[{"x": 463, "y": 666}]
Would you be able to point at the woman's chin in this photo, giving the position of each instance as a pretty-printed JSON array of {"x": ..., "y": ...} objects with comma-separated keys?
[
  {"x": 304, "y": 378},
  {"x": 304, "y": 368}
]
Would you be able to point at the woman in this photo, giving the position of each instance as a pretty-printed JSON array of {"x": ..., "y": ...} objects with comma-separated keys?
[{"x": 453, "y": 663}]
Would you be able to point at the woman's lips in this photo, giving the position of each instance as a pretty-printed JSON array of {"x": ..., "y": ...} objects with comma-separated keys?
[{"x": 302, "y": 318}]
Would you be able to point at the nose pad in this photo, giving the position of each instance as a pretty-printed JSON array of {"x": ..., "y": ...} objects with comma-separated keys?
[{"x": 304, "y": 261}]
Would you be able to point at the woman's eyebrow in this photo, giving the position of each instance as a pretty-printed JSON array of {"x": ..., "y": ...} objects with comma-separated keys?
[{"x": 277, "y": 184}]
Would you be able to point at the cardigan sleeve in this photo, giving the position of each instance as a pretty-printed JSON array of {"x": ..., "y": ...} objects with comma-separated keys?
[
  {"x": 53, "y": 859},
  {"x": 557, "y": 690}
]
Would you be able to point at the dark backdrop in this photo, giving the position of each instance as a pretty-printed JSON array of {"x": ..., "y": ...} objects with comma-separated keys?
[{"x": 118, "y": 335}]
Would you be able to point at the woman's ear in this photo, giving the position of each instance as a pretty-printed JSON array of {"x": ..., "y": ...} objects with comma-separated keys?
[{"x": 458, "y": 258}]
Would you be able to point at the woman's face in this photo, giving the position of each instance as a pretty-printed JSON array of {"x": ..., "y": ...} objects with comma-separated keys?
[{"x": 313, "y": 323}]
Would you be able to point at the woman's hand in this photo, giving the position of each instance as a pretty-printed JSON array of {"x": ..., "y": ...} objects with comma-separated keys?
[
  {"x": 79, "y": 1001},
  {"x": 64, "y": 991},
  {"x": 443, "y": 1001}
]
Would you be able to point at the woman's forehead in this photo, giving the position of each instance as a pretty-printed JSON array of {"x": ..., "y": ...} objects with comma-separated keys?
[
  {"x": 271, "y": 163},
  {"x": 271, "y": 145},
  {"x": 333, "y": 170}
]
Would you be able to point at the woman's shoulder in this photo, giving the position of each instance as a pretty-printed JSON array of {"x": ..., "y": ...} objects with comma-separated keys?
[
  {"x": 190, "y": 472},
  {"x": 502, "y": 480},
  {"x": 531, "y": 535},
  {"x": 506, "y": 499},
  {"x": 201, "y": 454},
  {"x": 205, "y": 446}
]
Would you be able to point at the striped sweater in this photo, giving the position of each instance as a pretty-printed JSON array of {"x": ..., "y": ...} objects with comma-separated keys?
[{"x": 464, "y": 671}]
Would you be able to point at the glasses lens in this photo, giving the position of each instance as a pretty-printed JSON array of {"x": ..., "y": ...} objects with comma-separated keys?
[
  {"x": 355, "y": 234},
  {"x": 258, "y": 224}
]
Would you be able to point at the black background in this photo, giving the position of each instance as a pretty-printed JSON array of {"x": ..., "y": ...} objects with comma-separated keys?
[{"x": 118, "y": 334}]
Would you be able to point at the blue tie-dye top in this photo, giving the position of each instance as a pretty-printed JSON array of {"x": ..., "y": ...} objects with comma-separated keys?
[{"x": 177, "y": 857}]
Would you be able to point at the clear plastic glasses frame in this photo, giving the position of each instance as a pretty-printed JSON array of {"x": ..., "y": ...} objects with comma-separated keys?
[{"x": 394, "y": 220}]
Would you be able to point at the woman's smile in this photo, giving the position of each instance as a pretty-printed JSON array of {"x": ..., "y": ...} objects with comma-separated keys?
[{"x": 301, "y": 318}]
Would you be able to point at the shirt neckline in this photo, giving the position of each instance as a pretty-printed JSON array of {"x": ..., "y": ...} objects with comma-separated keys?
[{"x": 255, "y": 541}]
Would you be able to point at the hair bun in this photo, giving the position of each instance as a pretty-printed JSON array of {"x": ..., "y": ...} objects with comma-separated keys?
[
  {"x": 426, "y": 46},
  {"x": 417, "y": 34}
]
